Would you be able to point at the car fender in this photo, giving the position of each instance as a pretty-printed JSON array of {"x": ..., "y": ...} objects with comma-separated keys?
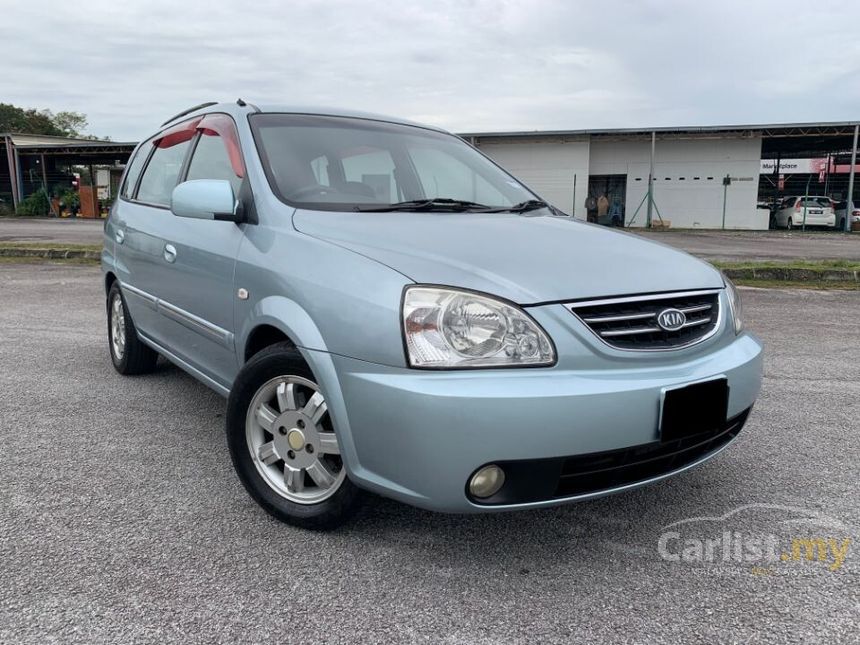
[{"x": 292, "y": 320}]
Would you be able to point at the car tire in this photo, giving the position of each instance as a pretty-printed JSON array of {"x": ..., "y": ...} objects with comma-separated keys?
[
  {"x": 283, "y": 445},
  {"x": 128, "y": 354}
]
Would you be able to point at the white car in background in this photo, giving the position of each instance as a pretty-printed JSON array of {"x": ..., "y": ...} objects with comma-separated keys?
[
  {"x": 818, "y": 212},
  {"x": 841, "y": 210}
]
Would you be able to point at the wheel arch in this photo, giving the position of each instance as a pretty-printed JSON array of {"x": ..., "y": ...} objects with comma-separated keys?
[
  {"x": 277, "y": 319},
  {"x": 110, "y": 278}
]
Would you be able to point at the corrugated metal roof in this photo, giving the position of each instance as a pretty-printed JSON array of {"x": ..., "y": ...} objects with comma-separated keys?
[
  {"x": 696, "y": 129},
  {"x": 48, "y": 141}
]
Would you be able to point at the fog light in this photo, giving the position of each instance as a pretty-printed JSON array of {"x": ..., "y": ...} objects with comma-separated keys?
[{"x": 487, "y": 481}]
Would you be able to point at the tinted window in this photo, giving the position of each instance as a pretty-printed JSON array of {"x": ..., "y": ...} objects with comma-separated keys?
[
  {"x": 338, "y": 163},
  {"x": 134, "y": 168},
  {"x": 161, "y": 174},
  {"x": 211, "y": 161}
]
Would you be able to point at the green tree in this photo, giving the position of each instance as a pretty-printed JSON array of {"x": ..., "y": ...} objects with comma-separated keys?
[
  {"x": 32, "y": 121},
  {"x": 72, "y": 124},
  {"x": 27, "y": 121}
]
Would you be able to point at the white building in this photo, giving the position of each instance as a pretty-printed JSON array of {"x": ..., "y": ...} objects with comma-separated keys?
[{"x": 572, "y": 169}]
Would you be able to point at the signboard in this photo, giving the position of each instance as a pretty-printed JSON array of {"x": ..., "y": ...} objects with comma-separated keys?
[
  {"x": 805, "y": 166},
  {"x": 794, "y": 166}
]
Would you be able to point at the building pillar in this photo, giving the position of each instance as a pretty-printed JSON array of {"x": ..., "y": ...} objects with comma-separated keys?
[{"x": 13, "y": 175}]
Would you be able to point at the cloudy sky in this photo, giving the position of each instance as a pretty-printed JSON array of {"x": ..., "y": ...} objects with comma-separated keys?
[{"x": 479, "y": 65}]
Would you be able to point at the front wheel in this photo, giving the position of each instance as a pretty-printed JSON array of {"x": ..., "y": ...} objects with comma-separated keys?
[{"x": 283, "y": 445}]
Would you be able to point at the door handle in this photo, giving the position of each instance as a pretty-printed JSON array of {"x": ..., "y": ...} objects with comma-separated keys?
[
  {"x": 170, "y": 253},
  {"x": 119, "y": 236}
]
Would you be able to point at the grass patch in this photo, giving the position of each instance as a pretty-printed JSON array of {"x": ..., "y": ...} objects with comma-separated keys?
[
  {"x": 38, "y": 260},
  {"x": 809, "y": 265},
  {"x": 824, "y": 285},
  {"x": 51, "y": 246}
]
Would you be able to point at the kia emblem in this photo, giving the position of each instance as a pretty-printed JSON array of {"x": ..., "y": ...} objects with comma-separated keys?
[{"x": 671, "y": 319}]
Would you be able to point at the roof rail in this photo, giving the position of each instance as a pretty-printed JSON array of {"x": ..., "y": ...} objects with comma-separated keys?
[{"x": 190, "y": 110}]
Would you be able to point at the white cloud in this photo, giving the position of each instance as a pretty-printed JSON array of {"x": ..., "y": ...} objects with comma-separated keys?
[{"x": 468, "y": 66}]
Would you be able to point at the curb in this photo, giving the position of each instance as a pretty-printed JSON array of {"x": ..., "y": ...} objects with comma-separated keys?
[
  {"x": 50, "y": 254},
  {"x": 794, "y": 275}
]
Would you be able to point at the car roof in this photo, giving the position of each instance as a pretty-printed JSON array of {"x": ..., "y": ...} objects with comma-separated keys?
[
  {"x": 330, "y": 111},
  {"x": 236, "y": 110}
]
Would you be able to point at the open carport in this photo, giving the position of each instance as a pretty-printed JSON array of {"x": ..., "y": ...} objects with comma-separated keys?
[{"x": 40, "y": 162}]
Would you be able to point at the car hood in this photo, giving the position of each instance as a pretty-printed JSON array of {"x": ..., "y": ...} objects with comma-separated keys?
[{"x": 528, "y": 259}]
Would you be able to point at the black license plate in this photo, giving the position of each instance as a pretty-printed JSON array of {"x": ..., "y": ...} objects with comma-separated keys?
[{"x": 694, "y": 409}]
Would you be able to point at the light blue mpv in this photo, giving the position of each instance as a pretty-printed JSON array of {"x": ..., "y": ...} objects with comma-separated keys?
[{"x": 387, "y": 310}]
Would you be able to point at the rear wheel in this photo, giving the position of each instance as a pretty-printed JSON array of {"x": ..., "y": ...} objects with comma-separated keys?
[
  {"x": 128, "y": 354},
  {"x": 283, "y": 443}
]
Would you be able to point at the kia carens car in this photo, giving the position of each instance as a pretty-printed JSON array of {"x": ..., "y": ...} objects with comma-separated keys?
[{"x": 387, "y": 310}]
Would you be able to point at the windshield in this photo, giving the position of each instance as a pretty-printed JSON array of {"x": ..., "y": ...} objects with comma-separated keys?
[{"x": 337, "y": 163}]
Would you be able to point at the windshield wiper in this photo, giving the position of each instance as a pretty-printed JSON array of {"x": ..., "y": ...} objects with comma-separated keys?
[
  {"x": 435, "y": 204},
  {"x": 522, "y": 207}
]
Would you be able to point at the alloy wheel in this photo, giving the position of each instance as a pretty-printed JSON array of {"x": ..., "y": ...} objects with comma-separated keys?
[
  {"x": 292, "y": 442},
  {"x": 117, "y": 328}
]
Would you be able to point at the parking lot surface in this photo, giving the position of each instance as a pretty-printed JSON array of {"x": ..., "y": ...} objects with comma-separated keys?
[
  {"x": 121, "y": 519},
  {"x": 713, "y": 245},
  {"x": 53, "y": 231},
  {"x": 778, "y": 245}
]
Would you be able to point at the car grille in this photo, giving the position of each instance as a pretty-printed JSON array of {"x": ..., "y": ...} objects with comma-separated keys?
[
  {"x": 585, "y": 474},
  {"x": 631, "y": 323}
]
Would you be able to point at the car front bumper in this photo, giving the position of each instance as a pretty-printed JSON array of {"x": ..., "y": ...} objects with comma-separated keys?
[{"x": 418, "y": 436}]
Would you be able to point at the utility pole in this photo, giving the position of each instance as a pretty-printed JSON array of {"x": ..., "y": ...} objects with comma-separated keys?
[
  {"x": 651, "y": 182},
  {"x": 805, "y": 201},
  {"x": 849, "y": 201}
]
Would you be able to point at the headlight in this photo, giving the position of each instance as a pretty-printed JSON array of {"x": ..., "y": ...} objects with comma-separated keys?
[
  {"x": 734, "y": 304},
  {"x": 448, "y": 328}
]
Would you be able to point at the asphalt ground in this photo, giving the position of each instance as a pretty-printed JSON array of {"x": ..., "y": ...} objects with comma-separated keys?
[
  {"x": 121, "y": 519},
  {"x": 51, "y": 231},
  {"x": 777, "y": 245},
  {"x": 714, "y": 245}
]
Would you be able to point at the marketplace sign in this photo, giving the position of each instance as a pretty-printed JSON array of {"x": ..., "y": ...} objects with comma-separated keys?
[{"x": 804, "y": 166}]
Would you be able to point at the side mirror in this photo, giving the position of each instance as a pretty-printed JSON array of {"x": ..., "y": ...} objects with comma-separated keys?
[{"x": 206, "y": 199}]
